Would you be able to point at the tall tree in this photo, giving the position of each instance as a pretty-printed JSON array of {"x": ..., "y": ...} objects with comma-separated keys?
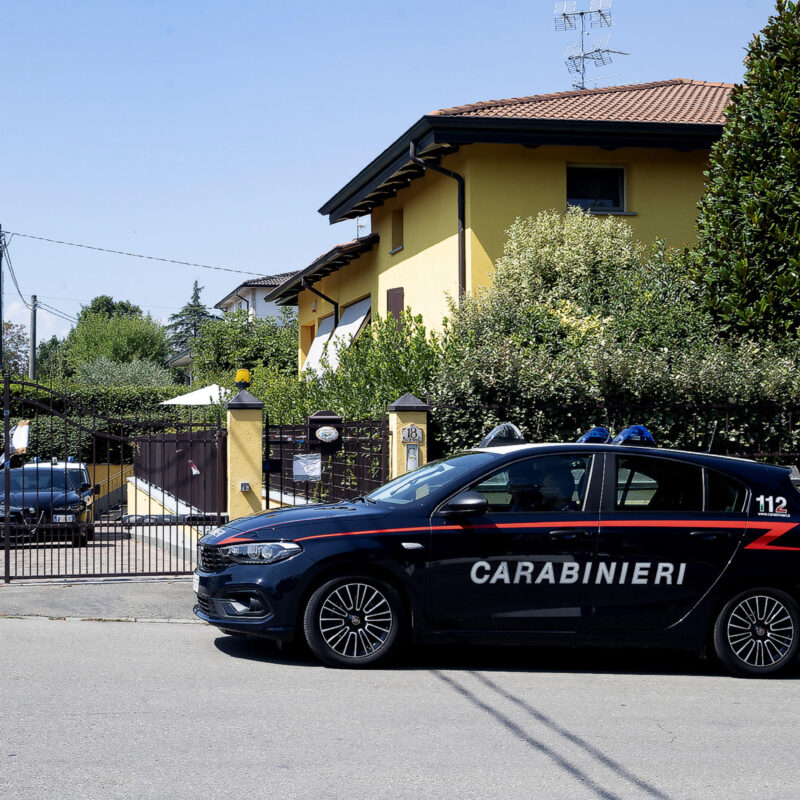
[
  {"x": 108, "y": 307},
  {"x": 184, "y": 327},
  {"x": 121, "y": 339},
  {"x": 748, "y": 262},
  {"x": 15, "y": 348}
]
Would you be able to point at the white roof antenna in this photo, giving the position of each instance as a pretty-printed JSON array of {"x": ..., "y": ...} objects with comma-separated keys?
[{"x": 582, "y": 52}]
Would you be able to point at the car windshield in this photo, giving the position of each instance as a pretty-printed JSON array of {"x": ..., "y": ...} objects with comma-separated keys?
[
  {"x": 44, "y": 480},
  {"x": 430, "y": 478}
]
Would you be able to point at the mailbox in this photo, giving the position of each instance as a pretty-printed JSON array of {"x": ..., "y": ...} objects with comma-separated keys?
[{"x": 325, "y": 431}]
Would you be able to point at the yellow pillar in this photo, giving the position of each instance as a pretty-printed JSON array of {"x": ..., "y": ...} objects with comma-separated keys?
[
  {"x": 408, "y": 420},
  {"x": 245, "y": 465}
]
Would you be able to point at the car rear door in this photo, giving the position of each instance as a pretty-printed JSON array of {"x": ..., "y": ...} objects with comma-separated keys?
[
  {"x": 668, "y": 529},
  {"x": 522, "y": 565}
]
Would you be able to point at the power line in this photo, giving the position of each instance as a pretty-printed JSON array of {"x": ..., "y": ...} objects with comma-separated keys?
[
  {"x": 133, "y": 255},
  {"x": 56, "y": 312},
  {"x": 14, "y": 277}
]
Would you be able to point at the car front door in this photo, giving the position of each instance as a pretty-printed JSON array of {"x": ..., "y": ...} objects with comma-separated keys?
[
  {"x": 522, "y": 565},
  {"x": 668, "y": 529}
]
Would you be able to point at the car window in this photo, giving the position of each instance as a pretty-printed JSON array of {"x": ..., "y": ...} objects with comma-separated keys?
[
  {"x": 645, "y": 483},
  {"x": 426, "y": 480},
  {"x": 545, "y": 483},
  {"x": 724, "y": 493}
]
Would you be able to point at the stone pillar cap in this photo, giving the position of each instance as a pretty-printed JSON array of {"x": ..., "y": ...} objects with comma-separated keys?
[
  {"x": 244, "y": 400},
  {"x": 409, "y": 403}
]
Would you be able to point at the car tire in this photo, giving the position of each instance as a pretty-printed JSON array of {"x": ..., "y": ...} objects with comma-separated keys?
[
  {"x": 757, "y": 633},
  {"x": 354, "y": 621}
]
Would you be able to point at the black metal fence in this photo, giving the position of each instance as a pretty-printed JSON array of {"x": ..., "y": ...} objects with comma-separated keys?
[
  {"x": 87, "y": 494},
  {"x": 356, "y": 464}
]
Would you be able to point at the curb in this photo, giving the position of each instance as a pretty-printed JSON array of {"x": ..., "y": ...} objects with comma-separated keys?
[{"x": 175, "y": 621}]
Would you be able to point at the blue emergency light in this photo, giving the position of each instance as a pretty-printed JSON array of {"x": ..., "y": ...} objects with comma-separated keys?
[
  {"x": 596, "y": 436},
  {"x": 635, "y": 435}
]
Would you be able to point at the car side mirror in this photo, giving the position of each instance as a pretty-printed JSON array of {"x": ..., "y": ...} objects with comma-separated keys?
[
  {"x": 84, "y": 487},
  {"x": 466, "y": 504},
  {"x": 96, "y": 489}
]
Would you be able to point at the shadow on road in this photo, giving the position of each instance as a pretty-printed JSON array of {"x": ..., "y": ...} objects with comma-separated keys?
[{"x": 468, "y": 658}]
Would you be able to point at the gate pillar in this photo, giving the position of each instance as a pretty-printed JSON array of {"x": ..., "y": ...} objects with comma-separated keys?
[
  {"x": 408, "y": 434},
  {"x": 245, "y": 467}
]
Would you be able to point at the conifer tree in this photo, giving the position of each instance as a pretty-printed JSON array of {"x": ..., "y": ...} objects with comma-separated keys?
[
  {"x": 748, "y": 264},
  {"x": 184, "y": 326}
]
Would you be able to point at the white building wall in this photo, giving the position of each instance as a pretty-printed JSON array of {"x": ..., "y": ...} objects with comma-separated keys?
[{"x": 258, "y": 306}]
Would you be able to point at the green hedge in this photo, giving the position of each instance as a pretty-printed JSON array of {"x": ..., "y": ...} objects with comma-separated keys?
[{"x": 98, "y": 423}]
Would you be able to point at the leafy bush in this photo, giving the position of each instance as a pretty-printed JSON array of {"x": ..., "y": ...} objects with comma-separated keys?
[
  {"x": 105, "y": 372},
  {"x": 237, "y": 340},
  {"x": 626, "y": 339},
  {"x": 120, "y": 338}
]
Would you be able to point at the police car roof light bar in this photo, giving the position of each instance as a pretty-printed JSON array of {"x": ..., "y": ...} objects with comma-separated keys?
[
  {"x": 635, "y": 435},
  {"x": 596, "y": 436},
  {"x": 503, "y": 434}
]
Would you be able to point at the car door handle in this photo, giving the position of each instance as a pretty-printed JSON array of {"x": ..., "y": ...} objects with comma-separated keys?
[
  {"x": 711, "y": 534},
  {"x": 568, "y": 534}
]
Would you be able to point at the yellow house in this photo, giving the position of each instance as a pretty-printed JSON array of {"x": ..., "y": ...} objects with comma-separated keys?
[{"x": 441, "y": 196}]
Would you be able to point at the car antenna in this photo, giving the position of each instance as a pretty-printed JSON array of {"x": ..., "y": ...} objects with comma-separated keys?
[{"x": 713, "y": 434}]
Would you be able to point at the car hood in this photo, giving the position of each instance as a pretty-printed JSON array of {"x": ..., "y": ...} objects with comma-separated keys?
[
  {"x": 43, "y": 501},
  {"x": 290, "y": 523}
]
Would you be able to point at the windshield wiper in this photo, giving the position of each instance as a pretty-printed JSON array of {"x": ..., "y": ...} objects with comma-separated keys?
[{"x": 362, "y": 499}]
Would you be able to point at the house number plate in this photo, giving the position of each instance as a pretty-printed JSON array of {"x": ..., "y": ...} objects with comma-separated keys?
[{"x": 412, "y": 434}]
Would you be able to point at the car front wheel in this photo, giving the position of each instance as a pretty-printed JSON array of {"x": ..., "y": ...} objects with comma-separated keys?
[
  {"x": 757, "y": 633},
  {"x": 353, "y": 621}
]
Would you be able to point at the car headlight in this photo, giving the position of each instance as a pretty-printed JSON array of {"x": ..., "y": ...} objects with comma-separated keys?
[{"x": 266, "y": 553}]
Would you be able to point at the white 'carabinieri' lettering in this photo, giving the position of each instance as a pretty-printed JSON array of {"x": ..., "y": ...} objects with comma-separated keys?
[{"x": 605, "y": 572}]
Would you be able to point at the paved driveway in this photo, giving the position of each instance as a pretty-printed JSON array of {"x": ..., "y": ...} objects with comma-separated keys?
[{"x": 163, "y": 710}]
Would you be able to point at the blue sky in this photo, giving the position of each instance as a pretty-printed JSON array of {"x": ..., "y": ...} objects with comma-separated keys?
[{"x": 211, "y": 132}]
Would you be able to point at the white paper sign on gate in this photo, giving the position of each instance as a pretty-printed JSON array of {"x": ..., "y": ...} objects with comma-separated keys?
[{"x": 307, "y": 467}]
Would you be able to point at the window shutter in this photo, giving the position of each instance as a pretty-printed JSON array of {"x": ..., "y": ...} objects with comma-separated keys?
[{"x": 395, "y": 303}]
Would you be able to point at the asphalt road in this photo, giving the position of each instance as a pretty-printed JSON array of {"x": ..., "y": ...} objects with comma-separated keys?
[{"x": 168, "y": 710}]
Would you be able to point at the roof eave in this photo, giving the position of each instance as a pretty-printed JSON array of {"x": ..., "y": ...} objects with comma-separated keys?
[
  {"x": 286, "y": 293},
  {"x": 438, "y": 130}
]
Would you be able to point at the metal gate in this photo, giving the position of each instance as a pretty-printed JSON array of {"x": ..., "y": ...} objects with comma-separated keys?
[
  {"x": 87, "y": 494},
  {"x": 358, "y": 464}
]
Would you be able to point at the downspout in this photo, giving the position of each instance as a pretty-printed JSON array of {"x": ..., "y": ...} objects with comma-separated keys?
[
  {"x": 306, "y": 285},
  {"x": 459, "y": 179}
]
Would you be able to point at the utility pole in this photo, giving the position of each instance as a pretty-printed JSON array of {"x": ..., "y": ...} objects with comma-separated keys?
[{"x": 32, "y": 346}]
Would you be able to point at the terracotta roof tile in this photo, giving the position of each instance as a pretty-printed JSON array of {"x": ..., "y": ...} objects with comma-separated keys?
[
  {"x": 270, "y": 280},
  {"x": 676, "y": 101}
]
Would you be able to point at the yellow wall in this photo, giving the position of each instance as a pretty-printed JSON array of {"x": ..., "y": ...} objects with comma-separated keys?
[
  {"x": 109, "y": 476},
  {"x": 244, "y": 442},
  {"x": 510, "y": 181},
  {"x": 503, "y": 182}
]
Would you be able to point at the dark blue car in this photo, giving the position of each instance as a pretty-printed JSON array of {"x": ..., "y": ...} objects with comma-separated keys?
[
  {"x": 50, "y": 499},
  {"x": 560, "y": 544}
]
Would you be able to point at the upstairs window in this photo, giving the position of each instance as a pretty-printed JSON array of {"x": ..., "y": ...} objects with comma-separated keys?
[
  {"x": 596, "y": 188},
  {"x": 397, "y": 231}
]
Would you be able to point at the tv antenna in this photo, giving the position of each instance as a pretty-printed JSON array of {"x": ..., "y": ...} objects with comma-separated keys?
[
  {"x": 582, "y": 52},
  {"x": 360, "y": 228}
]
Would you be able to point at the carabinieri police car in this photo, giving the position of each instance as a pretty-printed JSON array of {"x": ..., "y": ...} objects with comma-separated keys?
[{"x": 582, "y": 543}]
